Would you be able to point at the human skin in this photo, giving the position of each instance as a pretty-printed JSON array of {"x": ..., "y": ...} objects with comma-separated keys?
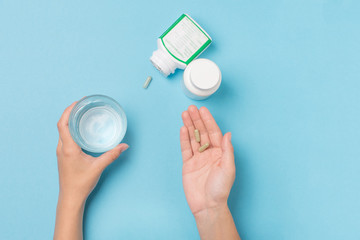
[
  {"x": 208, "y": 176},
  {"x": 78, "y": 176}
]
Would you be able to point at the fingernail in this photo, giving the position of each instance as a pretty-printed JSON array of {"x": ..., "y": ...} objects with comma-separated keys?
[
  {"x": 229, "y": 136},
  {"x": 126, "y": 148}
]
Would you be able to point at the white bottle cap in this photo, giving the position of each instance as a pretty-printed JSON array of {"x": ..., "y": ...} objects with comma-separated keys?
[
  {"x": 163, "y": 62},
  {"x": 202, "y": 78}
]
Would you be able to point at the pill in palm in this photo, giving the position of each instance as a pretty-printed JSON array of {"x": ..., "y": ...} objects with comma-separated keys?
[
  {"x": 197, "y": 135},
  {"x": 204, "y": 147}
]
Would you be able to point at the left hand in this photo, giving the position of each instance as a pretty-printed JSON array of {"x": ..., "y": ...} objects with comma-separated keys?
[{"x": 78, "y": 171}]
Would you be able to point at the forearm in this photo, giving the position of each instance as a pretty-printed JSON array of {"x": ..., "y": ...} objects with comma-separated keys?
[
  {"x": 216, "y": 224},
  {"x": 69, "y": 219}
]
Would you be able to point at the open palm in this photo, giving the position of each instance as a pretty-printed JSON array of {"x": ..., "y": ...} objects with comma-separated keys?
[{"x": 207, "y": 176}]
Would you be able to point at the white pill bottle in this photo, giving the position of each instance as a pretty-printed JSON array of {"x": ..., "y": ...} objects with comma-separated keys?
[
  {"x": 201, "y": 79},
  {"x": 181, "y": 43}
]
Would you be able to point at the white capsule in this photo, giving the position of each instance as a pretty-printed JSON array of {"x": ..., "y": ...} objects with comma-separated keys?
[{"x": 147, "y": 82}]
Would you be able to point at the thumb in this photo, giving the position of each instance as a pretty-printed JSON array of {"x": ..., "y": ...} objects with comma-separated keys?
[
  {"x": 228, "y": 151},
  {"x": 110, "y": 156}
]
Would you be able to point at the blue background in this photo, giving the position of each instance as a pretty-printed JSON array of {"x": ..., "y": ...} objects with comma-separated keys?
[{"x": 290, "y": 96}]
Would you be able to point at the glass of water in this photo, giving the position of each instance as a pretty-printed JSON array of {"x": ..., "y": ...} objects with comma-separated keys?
[{"x": 97, "y": 123}]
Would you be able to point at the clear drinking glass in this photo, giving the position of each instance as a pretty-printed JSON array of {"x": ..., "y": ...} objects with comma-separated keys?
[{"x": 97, "y": 123}]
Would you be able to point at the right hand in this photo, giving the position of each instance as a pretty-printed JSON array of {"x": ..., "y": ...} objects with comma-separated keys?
[{"x": 207, "y": 176}]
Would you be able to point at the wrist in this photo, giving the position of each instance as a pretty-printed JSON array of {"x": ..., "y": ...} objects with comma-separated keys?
[
  {"x": 211, "y": 214},
  {"x": 216, "y": 223},
  {"x": 71, "y": 201}
]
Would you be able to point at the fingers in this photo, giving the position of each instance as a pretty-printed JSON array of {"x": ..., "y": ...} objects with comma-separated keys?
[
  {"x": 185, "y": 144},
  {"x": 228, "y": 152},
  {"x": 190, "y": 127},
  {"x": 110, "y": 156},
  {"x": 63, "y": 126},
  {"x": 199, "y": 124},
  {"x": 212, "y": 128}
]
